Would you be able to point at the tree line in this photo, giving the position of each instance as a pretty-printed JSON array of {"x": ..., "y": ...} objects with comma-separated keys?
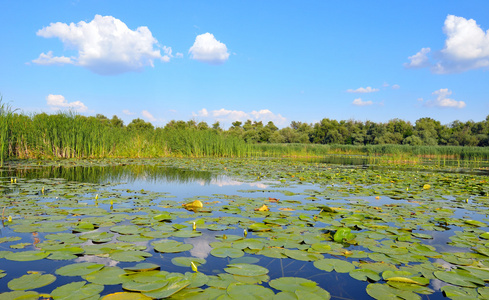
[{"x": 425, "y": 131}]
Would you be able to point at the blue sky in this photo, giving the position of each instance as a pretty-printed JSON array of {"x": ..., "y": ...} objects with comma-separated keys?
[{"x": 235, "y": 60}]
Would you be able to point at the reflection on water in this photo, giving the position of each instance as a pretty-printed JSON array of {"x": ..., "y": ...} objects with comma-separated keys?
[
  {"x": 201, "y": 244},
  {"x": 118, "y": 173}
]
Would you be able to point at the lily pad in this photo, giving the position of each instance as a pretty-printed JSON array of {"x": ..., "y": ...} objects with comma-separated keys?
[
  {"x": 227, "y": 252},
  {"x": 77, "y": 290},
  {"x": 31, "y": 281},
  {"x": 246, "y": 269},
  {"x": 294, "y": 284},
  {"x": 171, "y": 246}
]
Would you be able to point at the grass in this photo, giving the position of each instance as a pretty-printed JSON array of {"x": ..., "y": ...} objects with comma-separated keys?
[
  {"x": 393, "y": 151},
  {"x": 69, "y": 135}
]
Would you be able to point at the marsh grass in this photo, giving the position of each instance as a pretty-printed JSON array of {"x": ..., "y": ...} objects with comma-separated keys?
[
  {"x": 69, "y": 135},
  {"x": 390, "y": 152},
  {"x": 6, "y": 113}
]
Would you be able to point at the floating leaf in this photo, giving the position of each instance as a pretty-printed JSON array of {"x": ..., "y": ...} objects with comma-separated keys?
[
  {"x": 31, "y": 281},
  {"x": 343, "y": 235},
  {"x": 174, "y": 284},
  {"x": 144, "y": 286},
  {"x": 246, "y": 269},
  {"x": 187, "y": 261},
  {"x": 364, "y": 274},
  {"x": 106, "y": 276},
  {"x": 171, "y": 246},
  {"x": 77, "y": 290},
  {"x": 227, "y": 252},
  {"x": 249, "y": 291},
  {"x": 302, "y": 255},
  {"x": 79, "y": 269},
  {"x": 294, "y": 284},
  {"x": 328, "y": 264},
  {"x": 29, "y": 295},
  {"x": 262, "y": 208},
  {"x": 459, "y": 277},
  {"x": 384, "y": 291},
  {"x": 27, "y": 255},
  {"x": 126, "y": 296},
  {"x": 142, "y": 267}
]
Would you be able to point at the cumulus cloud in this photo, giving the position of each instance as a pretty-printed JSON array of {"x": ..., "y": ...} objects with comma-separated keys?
[
  {"x": 48, "y": 59},
  {"x": 146, "y": 114},
  {"x": 228, "y": 116},
  {"x": 209, "y": 50},
  {"x": 57, "y": 102},
  {"x": 360, "y": 102},
  {"x": 396, "y": 86},
  {"x": 443, "y": 100},
  {"x": 105, "y": 46},
  {"x": 419, "y": 60},
  {"x": 466, "y": 48},
  {"x": 363, "y": 90},
  {"x": 128, "y": 112}
]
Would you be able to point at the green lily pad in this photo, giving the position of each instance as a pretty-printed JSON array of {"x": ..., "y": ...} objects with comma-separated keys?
[
  {"x": 384, "y": 291},
  {"x": 31, "y": 281},
  {"x": 174, "y": 284},
  {"x": 77, "y": 290},
  {"x": 144, "y": 286},
  {"x": 460, "y": 278},
  {"x": 129, "y": 255},
  {"x": 79, "y": 269},
  {"x": 184, "y": 261},
  {"x": 294, "y": 284},
  {"x": 227, "y": 252},
  {"x": 27, "y": 255},
  {"x": 460, "y": 293},
  {"x": 246, "y": 269},
  {"x": 302, "y": 255},
  {"x": 142, "y": 267},
  {"x": 29, "y": 295},
  {"x": 106, "y": 276},
  {"x": 249, "y": 291},
  {"x": 343, "y": 235},
  {"x": 330, "y": 264},
  {"x": 365, "y": 274},
  {"x": 171, "y": 246}
]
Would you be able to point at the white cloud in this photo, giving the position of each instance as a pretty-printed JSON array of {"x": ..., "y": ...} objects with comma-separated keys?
[
  {"x": 128, "y": 112},
  {"x": 209, "y": 50},
  {"x": 48, "y": 59},
  {"x": 363, "y": 90},
  {"x": 57, "y": 102},
  {"x": 442, "y": 100},
  {"x": 228, "y": 116},
  {"x": 203, "y": 112},
  {"x": 179, "y": 55},
  {"x": 396, "y": 86},
  {"x": 148, "y": 116},
  {"x": 360, "y": 102},
  {"x": 105, "y": 46},
  {"x": 419, "y": 60},
  {"x": 466, "y": 48}
]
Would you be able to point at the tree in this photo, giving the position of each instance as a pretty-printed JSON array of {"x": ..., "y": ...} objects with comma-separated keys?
[
  {"x": 116, "y": 122},
  {"x": 140, "y": 125}
]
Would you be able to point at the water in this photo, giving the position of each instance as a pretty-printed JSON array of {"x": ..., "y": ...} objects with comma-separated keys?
[{"x": 183, "y": 185}]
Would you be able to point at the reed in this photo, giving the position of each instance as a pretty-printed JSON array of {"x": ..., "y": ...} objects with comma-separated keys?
[{"x": 6, "y": 113}]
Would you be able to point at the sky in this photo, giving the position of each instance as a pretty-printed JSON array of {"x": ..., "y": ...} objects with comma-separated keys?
[{"x": 229, "y": 61}]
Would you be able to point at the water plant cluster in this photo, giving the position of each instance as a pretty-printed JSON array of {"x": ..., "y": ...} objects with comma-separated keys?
[
  {"x": 295, "y": 230},
  {"x": 70, "y": 135}
]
